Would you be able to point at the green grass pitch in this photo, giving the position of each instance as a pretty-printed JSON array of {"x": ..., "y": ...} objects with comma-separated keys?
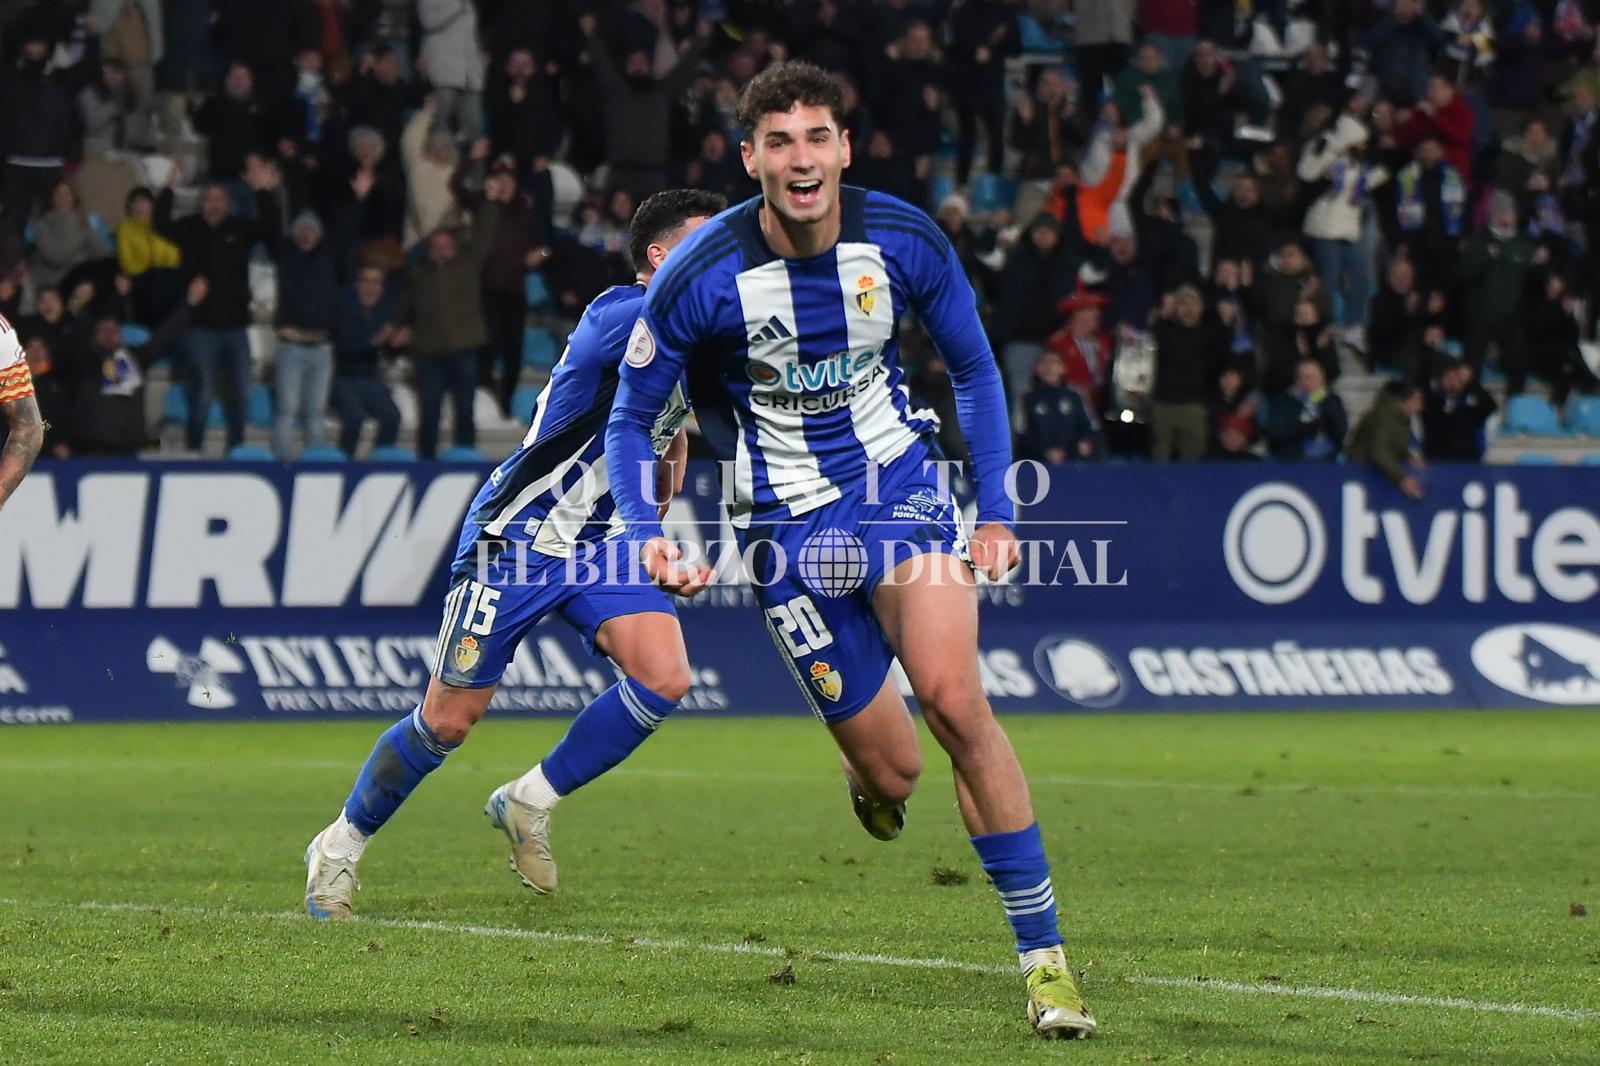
[{"x": 1355, "y": 888}]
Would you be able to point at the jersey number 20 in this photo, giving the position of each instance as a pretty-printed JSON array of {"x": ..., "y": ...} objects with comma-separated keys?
[{"x": 800, "y": 626}]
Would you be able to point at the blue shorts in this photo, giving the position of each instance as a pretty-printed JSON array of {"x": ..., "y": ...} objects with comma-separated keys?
[
  {"x": 814, "y": 577},
  {"x": 489, "y": 609}
]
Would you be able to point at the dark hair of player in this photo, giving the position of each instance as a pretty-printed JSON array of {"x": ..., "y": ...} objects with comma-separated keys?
[
  {"x": 660, "y": 215},
  {"x": 783, "y": 85}
]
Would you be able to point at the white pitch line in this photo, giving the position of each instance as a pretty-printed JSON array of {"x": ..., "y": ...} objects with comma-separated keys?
[
  {"x": 1344, "y": 995},
  {"x": 674, "y": 773},
  {"x": 1357, "y": 995}
]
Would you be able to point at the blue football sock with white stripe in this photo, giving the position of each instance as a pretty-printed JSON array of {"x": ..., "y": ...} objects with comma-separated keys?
[
  {"x": 604, "y": 733},
  {"x": 405, "y": 754},
  {"x": 1016, "y": 864}
]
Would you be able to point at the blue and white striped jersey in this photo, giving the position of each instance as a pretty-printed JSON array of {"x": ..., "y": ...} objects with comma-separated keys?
[
  {"x": 554, "y": 491},
  {"x": 793, "y": 364}
]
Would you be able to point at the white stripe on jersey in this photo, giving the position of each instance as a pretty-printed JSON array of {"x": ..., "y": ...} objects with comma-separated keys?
[
  {"x": 744, "y": 490},
  {"x": 793, "y": 473},
  {"x": 543, "y": 402},
  {"x": 869, "y": 324},
  {"x": 558, "y": 530},
  {"x": 497, "y": 525}
]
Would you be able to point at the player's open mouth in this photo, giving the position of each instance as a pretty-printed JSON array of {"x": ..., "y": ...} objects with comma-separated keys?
[{"x": 805, "y": 193}]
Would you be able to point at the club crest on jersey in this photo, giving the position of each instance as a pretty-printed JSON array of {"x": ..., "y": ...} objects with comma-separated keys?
[
  {"x": 467, "y": 654},
  {"x": 827, "y": 680},
  {"x": 866, "y": 297},
  {"x": 641, "y": 345}
]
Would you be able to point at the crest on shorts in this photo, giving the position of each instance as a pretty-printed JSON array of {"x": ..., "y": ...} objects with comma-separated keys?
[
  {"x": 827, "y": 680},
  {"x": 866, "y": 297},
  {"x": 467, "y": 654}
]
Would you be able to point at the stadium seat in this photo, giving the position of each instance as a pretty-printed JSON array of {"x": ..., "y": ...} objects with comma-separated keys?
[
  {"x": 1532, "y": 415},
  {"x": 322, "y": 454},
  {"x": 392, "y": 453},
  {"x": 1537, "y": 459},
  {"x": 939, "y": 187},
  {"x": 539, "y": 349},
  {"x": 175, "y": 405},
  {"x": 538, "y": 292},
  {"x": 991, "y": 192},
  {"x": 175, "y": 408},
  {"x": 522, "y": 402},
  {"x": 249, "y": 453},
  {"x": 135, "y": 335},
  {"x": 1590, "y": 459},
  {"x": 260, "y": 413},
  {"x": 460, "y": 454},
  {"x": 1583, "y": 415}
]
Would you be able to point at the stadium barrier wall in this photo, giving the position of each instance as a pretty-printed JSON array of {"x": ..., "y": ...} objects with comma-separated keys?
[{"x": 189, "y": 591}]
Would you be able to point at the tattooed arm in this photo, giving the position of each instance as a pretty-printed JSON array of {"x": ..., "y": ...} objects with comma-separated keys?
[{"x": 22, "y": 443}]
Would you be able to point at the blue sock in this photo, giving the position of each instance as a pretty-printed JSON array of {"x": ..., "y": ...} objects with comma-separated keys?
[
  {"x": 405, "y": 754},
  {"x": 604, "y": 733},
  {"x": 1016, "y": 864}
]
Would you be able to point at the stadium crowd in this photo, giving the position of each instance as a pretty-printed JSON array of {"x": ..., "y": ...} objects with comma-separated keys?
[{"x": 1184, "y": 219}]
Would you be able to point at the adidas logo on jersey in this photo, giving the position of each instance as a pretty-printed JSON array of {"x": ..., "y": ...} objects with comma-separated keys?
[{"x": 774, "y": 330}]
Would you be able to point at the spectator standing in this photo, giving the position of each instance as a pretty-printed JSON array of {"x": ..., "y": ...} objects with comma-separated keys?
[
  {"x": 1494, "y": 272},
  {"x": 1038, "y": 273},
  {"x": 1550, "y": 325},
  {"x": 1452, "y": 422},
  {"x": 520, "y": 244},
  {"x": 147, "y": 258},
  {"x": 1516, "y": 81},
  {"x": 108, "y": 380},
  {"x": 1056, "y": 427},
  {"x": 1307, "y": 422},
  {"x": 1188, "y": 364},
  {"x": 525, "y": 112},
  {"x": 430, "y": 157},
  {"x": 1335, "y": 221},
  {"x": 1172, "y": 26},
  {"x": 1242, "y": 224},
  {"x": 131, "y": 35},
  {"x": 442, "y": 308},
  {"x": 1383, "y": 437},
  {"x": 1105, "y": 37},
  {"x": 982, "y": 34},
  {"x": 1047, "y": 127},
  {"x": 1288, "y": 281},
  {"x": 1430, "y": 203},
  {"x": 1111, "y": 166},
  {"x": 234, "y": 123},
  {"x": 64, "y": 239},
  {"x": 1529, "y": 167},
  {"x": 362, "y": 335},
  {"x": 379, "y": 97},
  {"x": 452, "y": 59},
  {"x": 1442, "y": 115},
  {"x": 638, "y": 108},
  {"x": 1399, "y": 319},
  {"x": 109, "y": 112},
  {"x": 1084, "y": 348},
  {"x": 38, "y": 109},
  {"x": 215, "y": 244},
  {"x": 308, "y": 297},
  {"x": 1313, "y": 83},
  {"x": 1468, "y": 49},
  {"x": 1403, "y": 45}
]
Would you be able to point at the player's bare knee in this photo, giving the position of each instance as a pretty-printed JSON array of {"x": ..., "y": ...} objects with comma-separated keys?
[{"x": 667, "y": 677}]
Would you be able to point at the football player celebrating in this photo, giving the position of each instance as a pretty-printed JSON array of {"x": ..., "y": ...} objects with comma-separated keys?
[
  {"x": 540, "y": 537},
  {"x": 784, "y": 312}
]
